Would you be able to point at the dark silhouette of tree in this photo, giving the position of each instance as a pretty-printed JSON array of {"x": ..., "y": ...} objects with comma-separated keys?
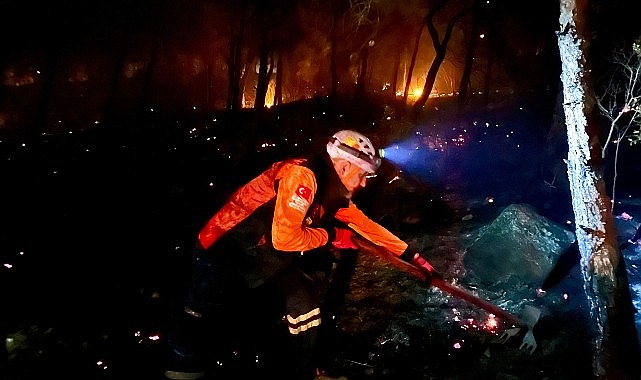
[
  {"x": 363, "y": 20},
  {"x": 147, "y": 92},
  {"x": 440, "y": 44},
  {"x": 335, "y": 14},
  {"x": 522, "y": 50},
  {"x": 264, "y": 49},
  {"x": 237, "y": 21},
  {"x": 394, "y": 43},
  {"x": 371, "y": 24},
  {"x": 129, "y": 34},
  {"x": 490, "y": 57},
  {"x": 278, "y": 88},
  {"x": 410, "y": 71},
  {"x": 473, "y": 37},
  {"x": 395, "y": 69},
  {"x": 278, "y": 31},
  {"x": 362, "y": 68}
]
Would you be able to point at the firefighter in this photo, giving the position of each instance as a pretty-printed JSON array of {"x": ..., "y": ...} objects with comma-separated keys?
[{"x": 296, "y": 209}]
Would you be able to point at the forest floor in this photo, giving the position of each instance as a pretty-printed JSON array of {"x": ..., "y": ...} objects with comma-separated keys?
[{"x": 98, "y": 229}]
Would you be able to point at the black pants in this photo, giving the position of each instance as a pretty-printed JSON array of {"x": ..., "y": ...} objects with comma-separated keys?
[{"x": 238, "y": 299}]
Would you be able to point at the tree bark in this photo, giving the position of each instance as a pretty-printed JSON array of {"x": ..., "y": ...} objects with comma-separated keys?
[{"x": 616, "y": 351}]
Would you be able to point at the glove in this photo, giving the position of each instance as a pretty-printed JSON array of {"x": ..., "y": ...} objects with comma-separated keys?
[
  {"x": 343, "y": 239},
  {"x": 426, "y": 267}
]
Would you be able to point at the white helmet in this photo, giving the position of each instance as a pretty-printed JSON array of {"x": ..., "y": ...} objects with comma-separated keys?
[{"x": 355, "y": 148}]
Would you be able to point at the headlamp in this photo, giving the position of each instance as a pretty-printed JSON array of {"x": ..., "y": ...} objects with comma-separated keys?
[{"x": 371, "y": 159}]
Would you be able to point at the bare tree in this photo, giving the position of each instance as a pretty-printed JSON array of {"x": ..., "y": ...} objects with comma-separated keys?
[
  {"x": 616, "y": 349},
  {"x": 238, "y": 15},
  {"x": 370, "y": 22},
  {"x": 364, "y": 20},
  {"x": 620, "y": 101},
  {"x": 439, "y": 43}
]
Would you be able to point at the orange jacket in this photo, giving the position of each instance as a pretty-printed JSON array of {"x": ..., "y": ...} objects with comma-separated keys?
[{"x": 291, "y": 228}]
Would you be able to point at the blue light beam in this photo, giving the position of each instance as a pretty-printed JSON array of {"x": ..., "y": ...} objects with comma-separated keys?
[{"x": 409, "y": 154}]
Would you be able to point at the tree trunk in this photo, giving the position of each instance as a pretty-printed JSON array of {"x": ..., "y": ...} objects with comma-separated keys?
[
  {"x": 234, "y": 66},
  {"x": 465, "y": 85},
  {"x": 394, "y": 82},
  {"x": 41, "y": 124},
  {"x": 263, "y": 77},
  {"x": 408, "y": 80},
  {"x": 110, "y": 108},
  {"x": 362, "y": 73},
  {"x": 146, "y": 94},
  {"x": 616, "y": 351},
  {"x": 278, "y": 86}
]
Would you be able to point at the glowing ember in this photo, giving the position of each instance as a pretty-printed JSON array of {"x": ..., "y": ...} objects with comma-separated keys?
[{"x": 491, "y": 324}]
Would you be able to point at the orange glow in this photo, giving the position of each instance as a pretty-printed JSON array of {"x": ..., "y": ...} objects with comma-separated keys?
[
  {"x": 12, "y": 78},
  {"x": 416, "y": 92},
  {"x": 133, "y": 68},
  {"x": 270, "y": 96},
  {"x": 413, "y": 93}
]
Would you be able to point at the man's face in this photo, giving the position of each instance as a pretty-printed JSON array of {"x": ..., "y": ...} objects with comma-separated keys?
[{"x": 352, "y": 176}]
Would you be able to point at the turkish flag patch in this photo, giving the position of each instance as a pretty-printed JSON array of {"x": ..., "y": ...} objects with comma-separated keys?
[{"x": 304, "y": 192}]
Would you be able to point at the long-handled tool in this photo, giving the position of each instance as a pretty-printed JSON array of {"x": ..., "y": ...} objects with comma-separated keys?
[{"x": 438, "y": 281}]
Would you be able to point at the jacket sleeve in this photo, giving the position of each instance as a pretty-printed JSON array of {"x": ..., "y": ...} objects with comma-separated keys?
[
  {"x": 371, "y": 230},
  {"x": 296, "y": 191},
  {"x": 241, "y": 204}
]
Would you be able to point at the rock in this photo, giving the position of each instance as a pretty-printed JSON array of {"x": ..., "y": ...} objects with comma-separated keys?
[{"x": 519, "y": 245}]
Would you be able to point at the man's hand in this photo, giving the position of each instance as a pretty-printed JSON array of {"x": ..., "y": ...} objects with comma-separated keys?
[{"x": 343, "y": 239}]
